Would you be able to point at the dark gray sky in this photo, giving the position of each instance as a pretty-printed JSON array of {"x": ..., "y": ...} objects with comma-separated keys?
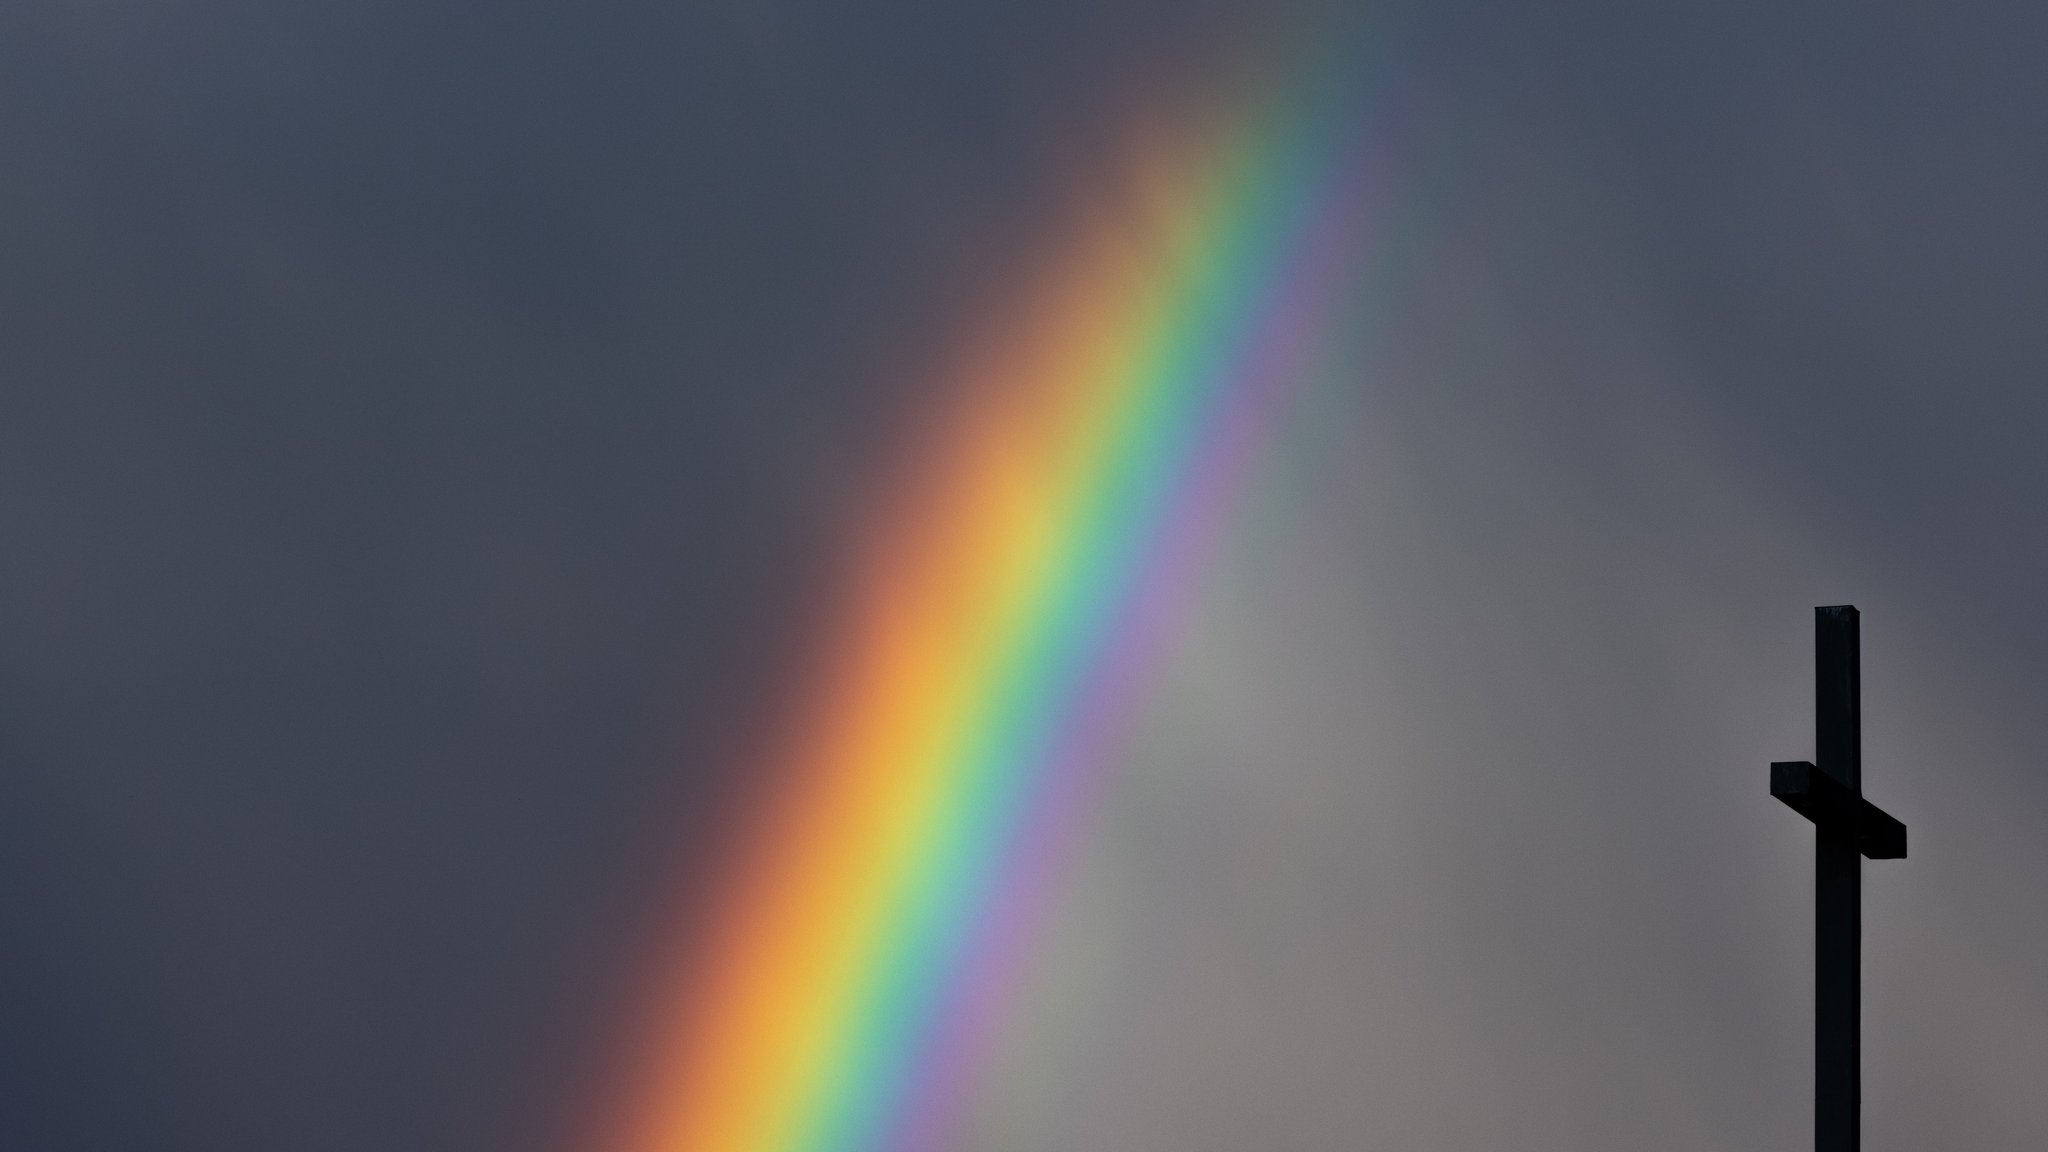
[{"x": 424, "y": 431}]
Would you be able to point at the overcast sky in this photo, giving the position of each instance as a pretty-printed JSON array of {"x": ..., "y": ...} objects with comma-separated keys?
[{"x": 424, "y": 429}]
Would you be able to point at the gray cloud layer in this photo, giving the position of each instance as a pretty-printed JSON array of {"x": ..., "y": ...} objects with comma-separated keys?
[{"x": 422, "y": 434}]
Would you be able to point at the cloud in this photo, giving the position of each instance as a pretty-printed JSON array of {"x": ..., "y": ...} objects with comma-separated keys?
[{"x": 423, "y": 434}]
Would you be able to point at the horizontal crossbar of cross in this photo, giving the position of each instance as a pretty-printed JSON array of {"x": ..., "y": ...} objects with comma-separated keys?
[{"x": 1821, "y": 798}]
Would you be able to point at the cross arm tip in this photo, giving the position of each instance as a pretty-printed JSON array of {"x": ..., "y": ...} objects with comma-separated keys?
[
  {"x": 1806, "y": 789},
  {"x": 1879, "y": 835}
]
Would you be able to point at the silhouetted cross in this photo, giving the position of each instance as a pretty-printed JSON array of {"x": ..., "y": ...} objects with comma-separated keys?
[{"x": 1846, "y": 828}]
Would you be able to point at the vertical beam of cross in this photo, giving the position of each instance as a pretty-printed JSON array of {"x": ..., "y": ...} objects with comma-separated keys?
[
  {"x": 1846, "y": 829},
  {"x": 1838, "y": 887}
]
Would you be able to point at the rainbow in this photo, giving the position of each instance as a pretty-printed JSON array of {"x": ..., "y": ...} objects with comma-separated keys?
[{"x": 999, "y": 619}]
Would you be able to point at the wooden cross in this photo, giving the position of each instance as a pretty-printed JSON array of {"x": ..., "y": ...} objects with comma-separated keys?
[{"x": 1846, "y": 828}]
